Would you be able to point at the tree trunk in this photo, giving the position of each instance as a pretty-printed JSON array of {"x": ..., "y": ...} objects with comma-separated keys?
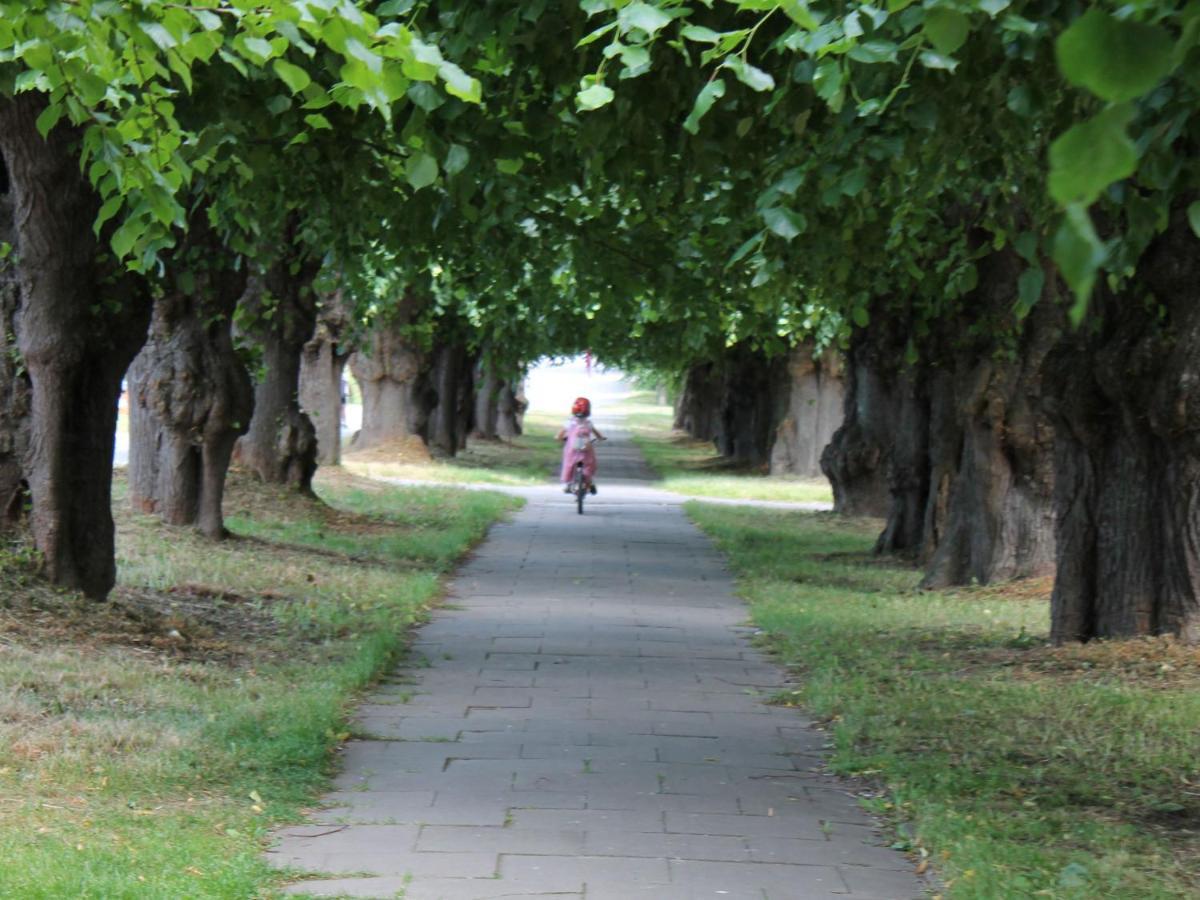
[
  {"x": 510, "y": 410},
  {"x": 1126, "y": 407},
  {"x": 855, "y": 459},
  {"x": 815, "y": 400},
  {"x": 750, "y": 405},
  {"x": 389, "y": 374},
  {"x": 487, "y": 403},
  {"x": 990, "y": 514},
  {"x": 77, "y": 335},
  {"x": 958, "y": 434},
  {"x": 281, "y": 445},
  {"x": 698, "y": 409},
  {"x": 190, "y": 395},
  {"x": 321, "y": 369},
  {"x": 14, "y": 379},
  {"x": 451, "y": 378}
]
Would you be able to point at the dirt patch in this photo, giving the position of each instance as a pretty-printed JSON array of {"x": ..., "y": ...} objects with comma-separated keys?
[
  {"x": 1150, "y": 662},
  {"x": 188, "y": 623},
  {"x": 409, "y": 450}
]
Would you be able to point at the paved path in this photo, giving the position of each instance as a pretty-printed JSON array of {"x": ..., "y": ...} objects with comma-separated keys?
[{"x": 585, "y": 721}]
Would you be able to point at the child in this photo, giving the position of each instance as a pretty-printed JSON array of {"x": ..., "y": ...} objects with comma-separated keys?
[{"x": 578, "y": 433}]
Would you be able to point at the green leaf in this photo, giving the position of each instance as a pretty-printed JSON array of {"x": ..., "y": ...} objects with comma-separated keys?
[
  {"x": 874, "y": 52},
  {"x": 700, "y": 34},
  {"x": 1029, "y": 290},
  {"x": 457, "y": 158},
  {"x": 510, "y": 166},
  {"x": 1079, "y": 253},
  {"x": 798, "y": 12},
  {"x": 931, "y": 60},
  {"x": 861, "y": 317},
  {"x": 49, "y": 118},
  {"x": 107, "y": 211},
  {"x": 1091, "y": 156},
  {"x": 786, "y": 223},
  {"x": 292, "y": 75},
  {"x": 709, "y": 94},
  {"x": 459, "y": 84},
  {"x": 751, "y": 76},
  {"x": 643, "y": 17},
  {"x": 318, "y": 122},
  {"x": 421, "y": 171},
  {"x": 1114, "y": 59},
  {"x": 594, "y": 97},
  {"x": 1193, "y": 214},
  {"x": 257, "y": 50},
  {"x": 947, "y": 29}
]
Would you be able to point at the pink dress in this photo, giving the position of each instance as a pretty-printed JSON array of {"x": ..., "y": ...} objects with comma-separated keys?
[{"x": 578, "y": 446}]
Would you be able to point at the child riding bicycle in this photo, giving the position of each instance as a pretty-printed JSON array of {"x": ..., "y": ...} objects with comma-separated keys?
[{"x": 579, "y": 433}]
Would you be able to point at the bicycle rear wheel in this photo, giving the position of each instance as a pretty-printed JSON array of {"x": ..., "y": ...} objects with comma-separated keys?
[{"x": 579, "y": 487}]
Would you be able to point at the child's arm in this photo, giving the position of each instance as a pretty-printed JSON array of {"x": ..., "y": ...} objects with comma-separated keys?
[
  {"x": 596, "y": 431},
  {"x": 562, "y": 434}
]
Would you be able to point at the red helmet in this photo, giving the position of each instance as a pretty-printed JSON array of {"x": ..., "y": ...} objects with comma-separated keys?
[{"x": 581, "y": 407}]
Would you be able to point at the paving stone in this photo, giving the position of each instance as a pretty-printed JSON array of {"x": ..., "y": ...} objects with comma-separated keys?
[
  {"x": 775, "y": 881},
  {"x": 587, "y": 719}
]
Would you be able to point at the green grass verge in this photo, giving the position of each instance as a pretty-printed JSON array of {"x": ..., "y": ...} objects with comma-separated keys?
[
  {"x": 148, "y": 745},
  {"x": 694, "y": 469},
  {"x": 1023, "y": 770}
]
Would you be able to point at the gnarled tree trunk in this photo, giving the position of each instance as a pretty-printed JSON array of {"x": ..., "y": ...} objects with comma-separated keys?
[
  {"x": 1126, "y": 405},
  {"x": 751, "y": 405},
  {"x": 281, "y": 444},
  {"x": 14, "y": 379},
  {"x": 190, "y": 395},
  {"x": 488, "y": 386},
  {"x": 77, "y": 334},
  {"x": 855, "y": 460},
  {"x": 389, "y": 372},
  {"x": 698, "y": 408},
  {"x": 451, "y": 378},
  {"x": 510, "y": 410},
  {"x": 958, "y": 433},
  {"x": 321, "y": 367},
  {"x": 815, "y": 400}
]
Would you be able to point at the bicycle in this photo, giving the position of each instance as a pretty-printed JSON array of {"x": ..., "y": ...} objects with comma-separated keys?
[{"x": 579, "y": 484}]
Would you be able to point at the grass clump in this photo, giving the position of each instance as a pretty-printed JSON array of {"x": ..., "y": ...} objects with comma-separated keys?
[
  {"x": 694, "y": 468},
  {"x": 147, "y": 745},
  {"x": 1025, "y": 770}
]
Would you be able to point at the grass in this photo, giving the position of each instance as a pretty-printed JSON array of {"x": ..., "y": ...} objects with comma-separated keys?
[
  {"x": 1024, "y": 770},
  {"x": 148, "y": 745},
  {"x": 694, "y": 469},
  {"x": 527, "y": 460}
]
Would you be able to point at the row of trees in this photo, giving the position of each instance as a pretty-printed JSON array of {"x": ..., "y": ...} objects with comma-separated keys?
[{"x": 977, "y": 214}]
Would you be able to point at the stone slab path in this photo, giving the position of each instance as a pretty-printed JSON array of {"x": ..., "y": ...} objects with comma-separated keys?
[{"x": 586, "y": 720}]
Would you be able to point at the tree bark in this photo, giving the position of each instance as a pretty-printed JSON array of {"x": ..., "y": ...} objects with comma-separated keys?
[
  {"x": 815, "y": 399},
  {"x": 451, "y": 378},
  {"x": 14, "y": 379},
  {"x": 77, "y": 333},
  {"x": 487, "y": 403},
  {"x": 1126, "y": 408},
  {"x": 321, "y": 367},
  {"x": 958, "y": 434},
  {"x": 190, "y": 395},
  {"x": 389, "y": 371},
  {"x": 750, "y": 405},
  {"x": 855, "y": 459},
  {"x": 510, "y": 410},
  {"x": 281, "y": 444},
  {"x": 698, "y": 409}
]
